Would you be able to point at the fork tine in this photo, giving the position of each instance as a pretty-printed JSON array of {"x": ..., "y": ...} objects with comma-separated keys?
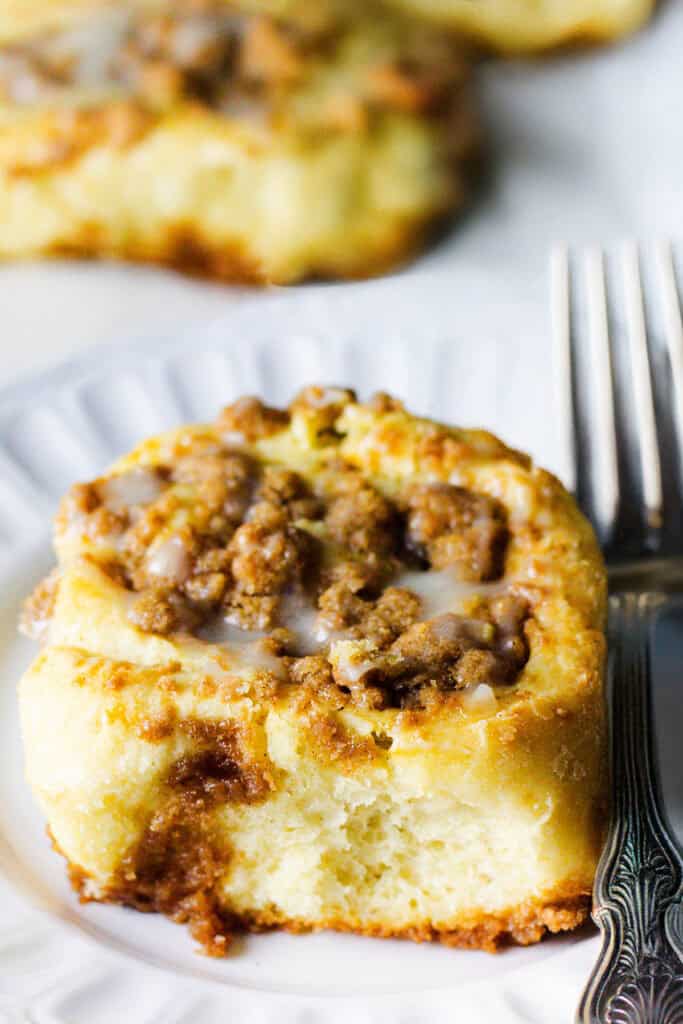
[
  {"x": 673, "y": 334},
  {"x": 560, "y": 313},
  {"x": 641, "y": 382},
  {"x": 603, "y": 440}
]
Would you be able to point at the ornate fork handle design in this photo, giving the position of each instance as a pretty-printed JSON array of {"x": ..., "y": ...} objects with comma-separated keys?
[{"x": 637, "y": 898}]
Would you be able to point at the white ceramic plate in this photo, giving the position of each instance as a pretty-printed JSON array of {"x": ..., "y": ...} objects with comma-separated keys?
[{"x": 61, "y": 962}]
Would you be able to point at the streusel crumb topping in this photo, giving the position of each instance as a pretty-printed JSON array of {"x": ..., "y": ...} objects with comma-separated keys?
[{"x": 351, "y": 594}]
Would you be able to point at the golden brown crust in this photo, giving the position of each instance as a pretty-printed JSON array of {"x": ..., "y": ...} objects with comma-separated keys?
[
  {"x": 562, "y": 910},
  {"x": 522, "y": 925},
  {"x": 181, "y": 248}
]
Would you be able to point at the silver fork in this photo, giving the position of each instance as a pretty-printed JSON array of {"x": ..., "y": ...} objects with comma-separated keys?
[{"x": 619, "y": 402}]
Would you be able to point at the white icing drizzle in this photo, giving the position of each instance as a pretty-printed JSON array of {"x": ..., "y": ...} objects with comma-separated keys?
[
  {"x": 170, "y": 560},
  {"x": 37, "y": 629},
  {"x": 249, "y": 111},
  {"x": 441, "y": 591},
  {"x": 22, "y": 86},
  {"x": 243, "y": 648},
  {"x": 253, "y": 656},
  {"x": 297, "y": 615},
  {"x": 192, "y": 35},
  {"x": 233, "y": 438},
  {"x": 93, "y": 44},
  {"x": 138, "y": 486},
  {"x": 89, "y": 48},
  {"x": 224, "y": 633},
  {"x": 480, "y": 697},
  {"x": 301, "y": 617},
  {"x": 77, "y": 532},
  {"x": 230, "y": 659}
]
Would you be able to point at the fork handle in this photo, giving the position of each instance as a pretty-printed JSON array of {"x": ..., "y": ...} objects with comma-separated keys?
[{"x": 638, "y": 978}]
